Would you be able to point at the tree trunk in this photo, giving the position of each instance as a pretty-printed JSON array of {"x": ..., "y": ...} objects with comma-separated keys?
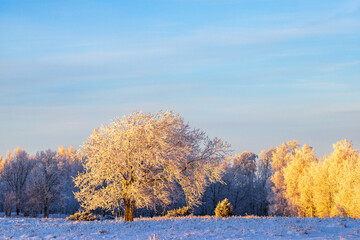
[
  {"x": 46, "y": 211},
  {"x": 17, "y": 210},
  {"x": 129, "y": 210}
]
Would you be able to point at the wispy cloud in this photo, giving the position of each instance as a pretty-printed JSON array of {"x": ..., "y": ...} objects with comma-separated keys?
[
  {"x": 106, "y": 56},
  {"x": 339, "y": 66}
]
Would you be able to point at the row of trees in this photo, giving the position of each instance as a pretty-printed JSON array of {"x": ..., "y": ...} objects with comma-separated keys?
[
  {"x": 145, "y": 164},
  {"x": 244, "y": 184},
  {"x": 34, "y": 184},
  {"x": 291, "y": 181},
  {"x": 308, "y": 187}
]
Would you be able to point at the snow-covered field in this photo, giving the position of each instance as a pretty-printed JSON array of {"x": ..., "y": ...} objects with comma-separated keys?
[{"x": 181, "y": 228}]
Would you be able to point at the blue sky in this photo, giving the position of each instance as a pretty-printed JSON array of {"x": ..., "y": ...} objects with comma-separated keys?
[{"x": 255, "y": 73}]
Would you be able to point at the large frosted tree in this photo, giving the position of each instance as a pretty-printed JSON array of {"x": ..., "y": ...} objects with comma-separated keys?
[{"x": 141, "y": 159}]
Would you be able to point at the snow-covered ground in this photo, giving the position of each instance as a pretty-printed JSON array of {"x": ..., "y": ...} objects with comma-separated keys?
[{"x": 181, "y": 228}]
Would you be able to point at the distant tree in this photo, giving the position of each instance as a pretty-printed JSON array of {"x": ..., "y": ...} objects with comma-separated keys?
[
  {"x": 263, "y": 174},
  {"x": 217, "y": 190},
  {"x": 7, "y": 198},
  {"x": 213, "y": 194},
  {"x": 347, "y": 198},
  {"x": 69, "y": 154},
  {"x": 307, "y": 187},
  {"x": 1, "y": 189},
  {"x": 16, "y": 171},
  {"x": 293, "y": 172},
  {"x": 238, "y": 185},
  {"x": 137, "y": 161},
  {"x": 47, "y": 180},
  {"x": 243, "y": 170},
  {"x": 2, "y": 164},
  {"x": 62, "y": 151},
  {"x": 70, "y": 165},
  {"x": 279, "y": 204},
  {"x": 264, "y": 166},
  {"x": 338, "y": 163},
  {"x": 336, "y": 182}
]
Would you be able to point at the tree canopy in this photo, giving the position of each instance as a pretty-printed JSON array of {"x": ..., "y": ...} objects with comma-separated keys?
[{"x": 141, "y": 159}]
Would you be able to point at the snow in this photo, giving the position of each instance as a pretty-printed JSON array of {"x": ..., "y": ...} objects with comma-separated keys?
[{"x": 182, "y": 228}]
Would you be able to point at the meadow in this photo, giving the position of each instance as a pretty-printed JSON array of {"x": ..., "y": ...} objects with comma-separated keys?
[{"x": 181, "y": 228}]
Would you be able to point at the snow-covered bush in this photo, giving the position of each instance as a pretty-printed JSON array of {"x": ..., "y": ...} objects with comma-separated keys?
[
  {"x": 223, "y": 209},
  {"x": 82, "y": 216},
  {"x": 184, "y": 211}
]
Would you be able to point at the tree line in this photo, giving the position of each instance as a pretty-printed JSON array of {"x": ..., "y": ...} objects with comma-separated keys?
[
  {"x": 39, "y": 184},
  {"x": 146, "y": 164}
]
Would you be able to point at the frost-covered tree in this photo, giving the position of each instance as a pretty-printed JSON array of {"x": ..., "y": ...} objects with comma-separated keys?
[
  {"x": 336, "y": 182},
  {"x": 70, "y": 165},
  {"x": 2, "y": 164},
  {"x": 2, "y": 185},
  {"x": 347, "y": 198},
  {"x": 15, "y": 174},
  {"x": 243, "y": 171},
  {"x": 50, "y": 184},
  {"x": 337, "y": 164},
  {"x": 263, "y": 183},
  {"x": 264, "y": 166},
  {"x": 279, "y": 204},
  {"x": 139, "y": 159},
  {"x": 238, "y": 185},
  {"x": 293, "y": 174},
  {"x": 46, "y": 181},
  {"x": 326, "y": 188},
  {"x": 217, "y": 191}
]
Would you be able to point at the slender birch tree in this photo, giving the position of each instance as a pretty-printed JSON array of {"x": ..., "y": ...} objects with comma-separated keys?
[{"x": 140, "y": 159}]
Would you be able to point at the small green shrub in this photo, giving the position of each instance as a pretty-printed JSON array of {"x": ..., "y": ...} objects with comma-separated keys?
[
  {"x": 82, "y": 216},
  {"x": 184, "y": 211},
  {"x": 223, "y": 209}
]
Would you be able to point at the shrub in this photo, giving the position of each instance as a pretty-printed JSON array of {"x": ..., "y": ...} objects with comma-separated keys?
[
  {"x": 223, "y": 209},
  {"x": 185, "y": 211},
  {"x": 82, "y": 216}
]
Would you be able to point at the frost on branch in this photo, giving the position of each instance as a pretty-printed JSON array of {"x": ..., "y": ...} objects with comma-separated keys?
[{"x": 140, "y": 160}]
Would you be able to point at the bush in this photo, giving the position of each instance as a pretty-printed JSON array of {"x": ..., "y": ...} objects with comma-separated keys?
[
  {"x": 185, "y": 211},
  {"x": 223, "y": 209},
  {"x": 82, "y": 216}
]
